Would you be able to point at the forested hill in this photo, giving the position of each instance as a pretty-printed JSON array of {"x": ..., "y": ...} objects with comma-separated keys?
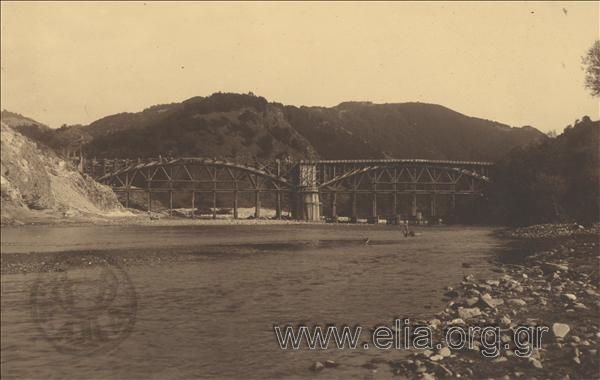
[{"x": 245, "y": 126}]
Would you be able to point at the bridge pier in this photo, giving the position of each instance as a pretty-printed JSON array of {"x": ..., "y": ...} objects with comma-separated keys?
[
  {"x": 354, "y": 217},
  {"x": 308, "y": 191},
  {"x": 193, "y": 204},
  {"x": 278, "y": 205},
  {"x": 214, "y": 204},
  {"x": 374, "y": 202},
  {"x": 257, "y": 204},
  {"x": 334, "y": 206},
  {"x": 235, "y": 202},
  {"x": 414, "y": 205},
  {"x": 310, "y": 206}
]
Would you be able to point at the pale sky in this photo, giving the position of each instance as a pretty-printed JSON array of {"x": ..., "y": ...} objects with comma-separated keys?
[{"x": 517, "y": 63}]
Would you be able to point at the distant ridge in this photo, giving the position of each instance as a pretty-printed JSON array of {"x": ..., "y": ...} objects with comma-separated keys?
[{"x": 248, "y": 127}]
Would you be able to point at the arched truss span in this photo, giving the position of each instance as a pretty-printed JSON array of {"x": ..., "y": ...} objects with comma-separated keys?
[
  {"x": 407, "y": 178},
  {"x": 189, "y": 173}
]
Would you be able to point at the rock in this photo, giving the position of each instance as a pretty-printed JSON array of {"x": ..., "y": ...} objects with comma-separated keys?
[
  {"x": 549, "y": 268},
  {"x": 494, "y": 283},
  {"x": 330, "y": 364},
  {"x": 471, "y": 301},
  {"x": 427, "y": 376},
  {"x": 445, "y": 352},
  {"x": 434, "y": 323},
  {"x": 506, "y": 278},
  {"x": 487, "y": 301},
  {"x": 518, "y": 289},
  {"x": 570, "y": 296},
  {"x": 436, "y": 358},
  {"x": 500, "y": 359},
  {"x": 536, "y": 363},
  {"x": 560, "y": 330},
  {"x": 317, "y": 366},
  {"x": 427, "y": 353},
  {"x": 505, "y": 321},
  {"x": 470, "y": 278},
  {"x": 516, "y": 302},
  {"x": 468, "y": 313},
  {"x": 457, "y": 321},
  {"x": 592, "y": 292}
]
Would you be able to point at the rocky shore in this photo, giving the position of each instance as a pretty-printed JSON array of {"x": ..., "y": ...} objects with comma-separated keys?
[{"x": 554, "y": 283}]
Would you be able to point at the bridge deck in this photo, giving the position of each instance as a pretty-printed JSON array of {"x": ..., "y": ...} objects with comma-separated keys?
[{"x": 398, "y": 161}]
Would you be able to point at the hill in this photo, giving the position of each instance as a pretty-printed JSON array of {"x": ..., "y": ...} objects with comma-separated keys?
[
  {"x": 556, "y": 181},
  {"x": 36, "y": 185},
  {"x": 31, "y": 128},
  {"x": 246, "y": 127},
  {"x": 406, "y": 130}
]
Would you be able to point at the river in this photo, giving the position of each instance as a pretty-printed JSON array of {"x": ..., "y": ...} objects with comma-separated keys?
[{"x": 212, "y": 314}]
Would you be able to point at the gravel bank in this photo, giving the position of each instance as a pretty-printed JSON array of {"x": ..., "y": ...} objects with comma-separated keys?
[{"x": 554, "y": 283}]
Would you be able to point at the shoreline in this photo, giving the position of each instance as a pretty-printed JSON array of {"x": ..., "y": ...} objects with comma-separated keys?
[
  {"x": 167, "y": 221},
  {"x": 553, "y": 283}
]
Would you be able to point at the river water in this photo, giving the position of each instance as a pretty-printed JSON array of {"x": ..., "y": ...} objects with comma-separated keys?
[{"x": 213, "y": 315}]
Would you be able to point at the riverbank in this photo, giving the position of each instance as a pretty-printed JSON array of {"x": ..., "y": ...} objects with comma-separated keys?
[
  {"x": 551, "y": 280},
  {"x": 137, "y": 218}
]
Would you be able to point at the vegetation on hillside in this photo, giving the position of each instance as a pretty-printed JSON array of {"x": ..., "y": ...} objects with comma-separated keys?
[
  {"x": 248, "y": 127},
  {"x": 556, "y": 181},
  {"x": 591, "y": 62}
]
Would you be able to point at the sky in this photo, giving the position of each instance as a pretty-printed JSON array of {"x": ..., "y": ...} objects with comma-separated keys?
[{"x": 514, "y": 62}]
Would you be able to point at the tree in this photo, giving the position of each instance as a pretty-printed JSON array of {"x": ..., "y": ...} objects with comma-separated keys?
[{"x": 592, "y": 69}]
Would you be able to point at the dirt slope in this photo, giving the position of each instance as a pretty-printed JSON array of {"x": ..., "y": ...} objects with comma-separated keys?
[{"x": 38, "y": 186}]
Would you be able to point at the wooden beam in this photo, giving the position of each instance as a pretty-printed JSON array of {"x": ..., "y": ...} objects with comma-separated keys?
[
  {"x": 235, "y": 203},
  {"x": 193, "y": 204},
  {"x": 278, "y": 201},
  {"x": 257, "y": 204},
  {"x": 334, "y": 205}
]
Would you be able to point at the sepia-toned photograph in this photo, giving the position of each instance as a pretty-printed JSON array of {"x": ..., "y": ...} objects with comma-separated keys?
[{"x": 300, "y": 190}]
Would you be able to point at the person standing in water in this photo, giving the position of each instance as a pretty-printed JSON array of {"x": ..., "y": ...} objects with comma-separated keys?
[{"x": 406, "y": 231}]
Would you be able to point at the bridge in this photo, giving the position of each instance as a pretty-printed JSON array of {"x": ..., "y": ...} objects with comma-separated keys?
[{"x": 309, "y": 190}]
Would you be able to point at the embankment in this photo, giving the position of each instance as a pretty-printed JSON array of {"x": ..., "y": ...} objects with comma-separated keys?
[{"x": 37, "y": 186}]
